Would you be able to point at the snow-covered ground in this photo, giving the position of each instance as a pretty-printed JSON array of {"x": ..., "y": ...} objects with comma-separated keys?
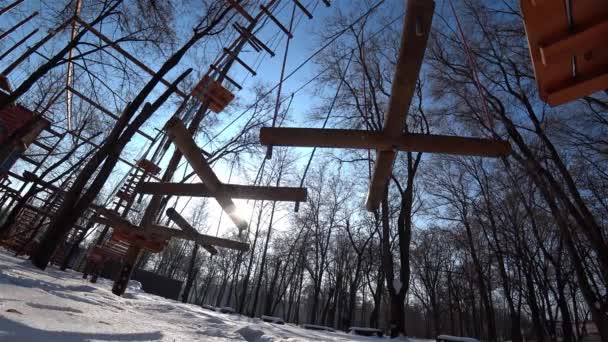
[{"x": 53, "y": 305}]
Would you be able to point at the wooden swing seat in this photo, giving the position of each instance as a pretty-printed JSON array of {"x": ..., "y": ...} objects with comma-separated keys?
[
  {"x": 210, "y": 90},
  {"x": 569, "y": 52}
]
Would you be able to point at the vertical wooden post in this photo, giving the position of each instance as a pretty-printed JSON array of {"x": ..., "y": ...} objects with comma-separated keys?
[
  {"x": 122, "y": 281},
  {"x": 70, "y": 73}
]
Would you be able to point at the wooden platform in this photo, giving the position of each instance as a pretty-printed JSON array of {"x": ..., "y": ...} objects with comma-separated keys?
[
  {"x": 210, "y": 90},
  {"x": 568, "y": 49}
]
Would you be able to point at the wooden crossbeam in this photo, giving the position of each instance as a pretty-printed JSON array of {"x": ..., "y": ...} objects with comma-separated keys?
[
  {"x": 233, "y": 191},
  {"x": 360, "y": 139},
  {"x": 276, "y": 21},
  {"x": 303, "y": 9},
  {"x": 241, "y": 10},
  {"x": 185, "y": 226},
  {"x": 178, "y": 133},
  {"x": 10, "y": 6},
  {"x": 414, "y": 37},
  {"x": 111, "y": 219}
]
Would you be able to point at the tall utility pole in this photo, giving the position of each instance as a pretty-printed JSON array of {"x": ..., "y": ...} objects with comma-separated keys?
[{"x": 70, "y": 74}]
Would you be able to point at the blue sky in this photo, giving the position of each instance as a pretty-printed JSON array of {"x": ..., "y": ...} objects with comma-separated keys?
[{"x": 304, "y": 43}]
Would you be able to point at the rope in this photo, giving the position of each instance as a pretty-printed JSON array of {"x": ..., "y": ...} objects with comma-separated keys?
[
  {"x": 222, "y": 214},
  {"x": 336, "y": 36},
  {"x": 281, "y": 78},
  {"x": 472, "y": 66},
  {"x": 331, "y": 108}
]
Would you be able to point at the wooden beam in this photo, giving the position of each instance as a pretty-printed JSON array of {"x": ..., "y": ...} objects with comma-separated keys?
[
  {"x": 177, "y": 132},
  {"x": 266, "y": 193},
  {"x": 113, "y": 220},
  {"x": 360, "y": 139},
  {"x": 185, "y": 226},
  {"x": 16, "y": 26},
  {"x": 574, "y": 43},
  {"x": 10, "y": 6},
  {"x": 416, "y": 28}
]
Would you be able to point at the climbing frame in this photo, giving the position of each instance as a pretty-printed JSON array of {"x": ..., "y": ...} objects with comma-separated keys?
[
  {"x": 391, "y": 139},
  {"x": 223, "y": 193},
  {"x": 567, "y": 42}
]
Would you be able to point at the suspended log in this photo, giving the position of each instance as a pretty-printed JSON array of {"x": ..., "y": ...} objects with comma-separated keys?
[
  {"x": 360, "y": 139},
  {"x": 266, "y": 193},
  {"x": 178, "y": 133},
  {"x": 185, "y": 226},
  {"x": 414, "y": 38}
]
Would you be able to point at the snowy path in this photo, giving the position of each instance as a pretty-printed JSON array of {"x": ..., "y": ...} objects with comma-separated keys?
[{"x": 61, "y": 306}]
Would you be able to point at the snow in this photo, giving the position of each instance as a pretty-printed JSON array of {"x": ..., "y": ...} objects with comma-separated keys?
[{"x": 55, "y": 306}]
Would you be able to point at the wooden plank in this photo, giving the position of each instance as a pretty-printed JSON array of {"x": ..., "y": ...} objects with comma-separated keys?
[
  {"x": 185, "y": 226},
  {"x": 266, "y": 193},
  {"x": 416, "y": 28},
  {"x": 178, "y": 133},
  {"x": 564, "y": 47},
  {"x": 360, "y": 139},
  {"x": 569, "y": 56}
]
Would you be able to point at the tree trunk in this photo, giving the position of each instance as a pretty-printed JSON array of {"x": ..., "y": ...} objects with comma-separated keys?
[{"x": 191, "y": 274}]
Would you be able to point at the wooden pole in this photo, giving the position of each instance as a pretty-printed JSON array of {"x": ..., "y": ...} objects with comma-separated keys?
[
  {"x": 17, "y": 44},
  {"x": 103, "y": 109},
  {"x": 17, "y": 25},
  {"x": 360, "y": 139},
  {"x": 35, "y": 47},
  {"x": 265, "y": 193},
  {"x": 416, "y": 28},
  {"x": 70, "y": 73},
  {"x": 9, "y": 7},
  {"x": 185, "y": 226}
]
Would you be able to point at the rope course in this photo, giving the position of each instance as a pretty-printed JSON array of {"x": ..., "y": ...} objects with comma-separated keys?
[{"x": 565, "y": 64}]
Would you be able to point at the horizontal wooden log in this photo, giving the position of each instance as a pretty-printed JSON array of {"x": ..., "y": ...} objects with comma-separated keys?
[
  {"x": 266, "y": 193},
  {"x": 343, "y": 138}
]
